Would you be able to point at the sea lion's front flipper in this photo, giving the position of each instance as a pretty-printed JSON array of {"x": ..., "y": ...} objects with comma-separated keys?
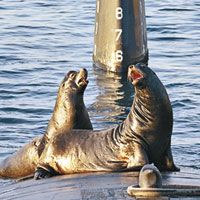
[
  {"x": 139, "y": 158},
  {"x": 166, "y": 162},
  {"x": 41, "y": 173}
]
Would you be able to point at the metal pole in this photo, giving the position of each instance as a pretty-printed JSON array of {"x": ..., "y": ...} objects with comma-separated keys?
[{"x": 120, "y": 37}]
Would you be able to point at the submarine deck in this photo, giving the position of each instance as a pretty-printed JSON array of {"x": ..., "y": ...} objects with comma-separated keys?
[{"x": 89, "y": 186}]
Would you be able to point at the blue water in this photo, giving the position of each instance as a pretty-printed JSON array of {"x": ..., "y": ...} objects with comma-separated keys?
[{"x": 40, "y": 40}]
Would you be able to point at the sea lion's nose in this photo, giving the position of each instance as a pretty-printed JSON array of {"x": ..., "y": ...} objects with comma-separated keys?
[
  {"x": 84, "y": 72},
  {"x": 132, "y": 67}
]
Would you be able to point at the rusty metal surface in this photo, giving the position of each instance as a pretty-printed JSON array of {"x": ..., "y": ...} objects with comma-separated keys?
[{"x": 88, "y": 186}]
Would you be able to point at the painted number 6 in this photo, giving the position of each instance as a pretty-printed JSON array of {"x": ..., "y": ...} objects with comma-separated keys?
[{"x": 119, "y": 55}]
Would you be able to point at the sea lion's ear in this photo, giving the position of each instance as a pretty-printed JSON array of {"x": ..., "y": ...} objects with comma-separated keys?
[{"x": 68, "y": 74}]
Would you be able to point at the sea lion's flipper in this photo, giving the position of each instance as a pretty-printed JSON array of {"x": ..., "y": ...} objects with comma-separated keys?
[
  {"x": 25, "y": 158},
  {"x": 138, "y": 159},
  {"x": 166, "y": 163},
  {"x": 41, "y": 173}
]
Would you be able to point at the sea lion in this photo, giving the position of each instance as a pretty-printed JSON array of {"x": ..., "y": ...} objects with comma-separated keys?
[
  {"x": 69, "y": 112},
  {"x": 144, "y": 137},
  {"x": 150, "y": 177}
]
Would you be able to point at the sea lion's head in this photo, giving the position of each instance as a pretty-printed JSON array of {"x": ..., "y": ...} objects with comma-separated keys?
[
  {"x": 139, "y": 74},
  {"x": 75, "y": 82}
]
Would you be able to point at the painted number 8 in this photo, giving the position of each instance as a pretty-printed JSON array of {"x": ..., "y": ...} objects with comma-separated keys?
[{"x": 119, "y": 13}]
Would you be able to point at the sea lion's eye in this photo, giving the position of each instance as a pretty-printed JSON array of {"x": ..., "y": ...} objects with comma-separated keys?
[{"x": 72, "y": 75}]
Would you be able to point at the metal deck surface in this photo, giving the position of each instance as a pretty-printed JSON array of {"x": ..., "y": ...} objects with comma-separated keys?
[{"x": 89, "y": 186}]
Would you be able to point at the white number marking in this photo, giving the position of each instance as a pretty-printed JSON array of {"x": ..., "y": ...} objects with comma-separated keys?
[
  {"x": 119, "y": 13},
  {"x": 119, "y": 32},
  {"x": 96, "y": 31},
  {"x": 95, "y": 50},
  {"x": 97, "y": 6},
  {"x": 119, "y": 55}
]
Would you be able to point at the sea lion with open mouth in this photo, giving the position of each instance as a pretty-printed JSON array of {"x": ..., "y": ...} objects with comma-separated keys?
[
  {"x": 69, "y": 113},
  {"x": 144, "y": 137}
]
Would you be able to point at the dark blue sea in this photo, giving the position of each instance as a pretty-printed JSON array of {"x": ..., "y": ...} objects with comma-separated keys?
[{"x": 40, "y": 40}]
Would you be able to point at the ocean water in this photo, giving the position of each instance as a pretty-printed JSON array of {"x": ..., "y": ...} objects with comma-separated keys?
[{"x": 40, "y": 40}]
